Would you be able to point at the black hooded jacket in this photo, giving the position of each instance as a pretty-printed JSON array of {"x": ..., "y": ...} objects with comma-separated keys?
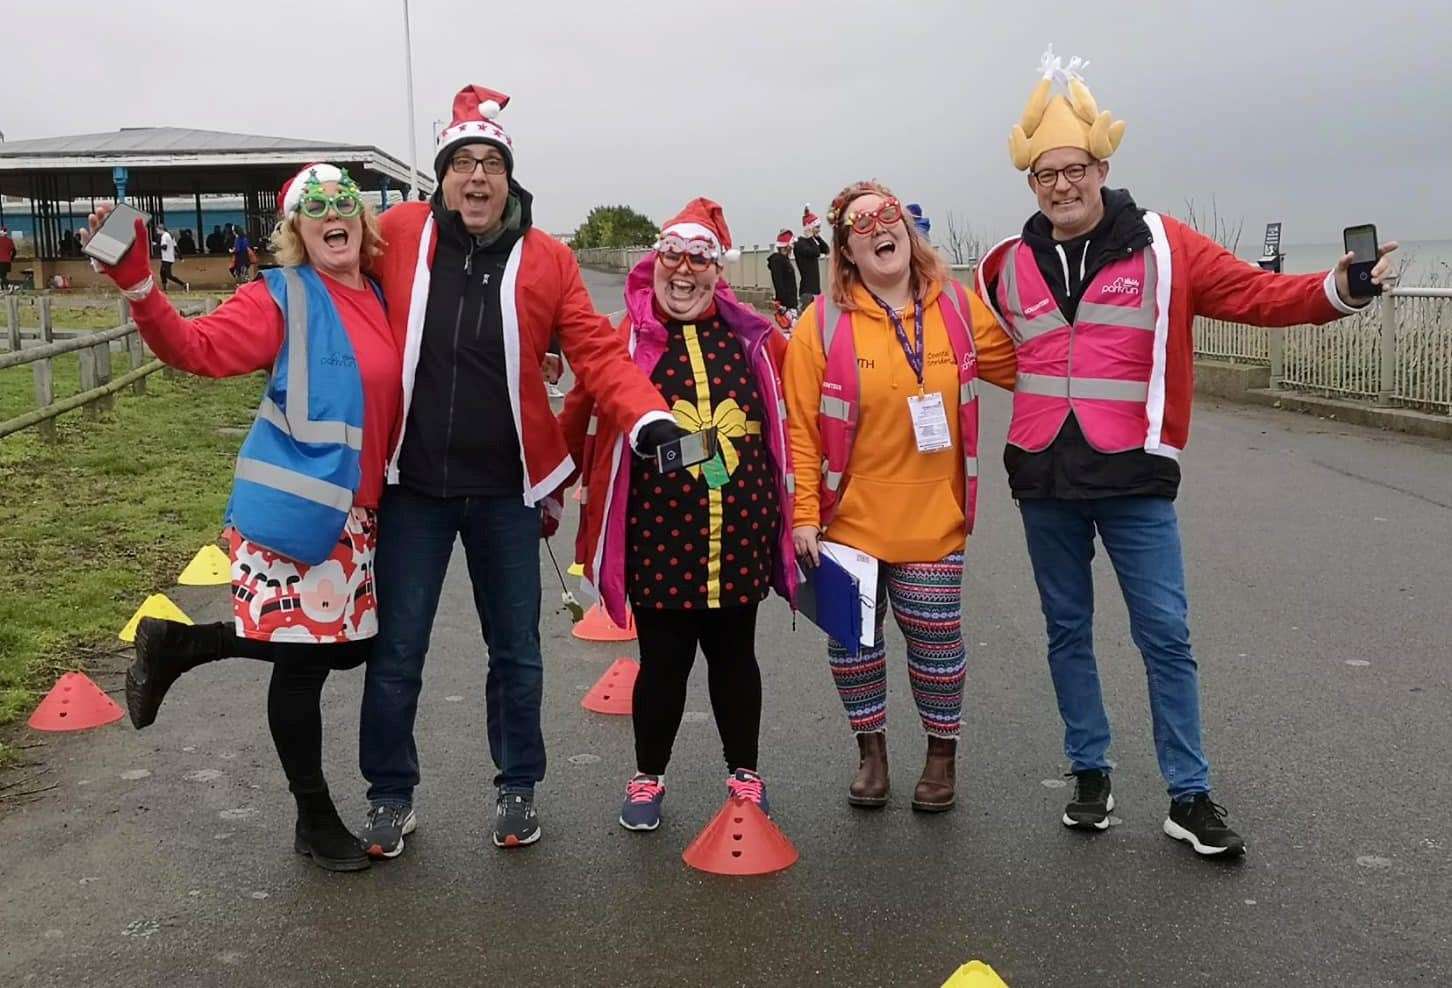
[
  {"x": 1070, "y": 468},
  {"x": 460, "y": 438}
]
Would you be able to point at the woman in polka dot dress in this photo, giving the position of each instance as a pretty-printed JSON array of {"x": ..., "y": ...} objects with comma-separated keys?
[{"x": 693, "y": 551}]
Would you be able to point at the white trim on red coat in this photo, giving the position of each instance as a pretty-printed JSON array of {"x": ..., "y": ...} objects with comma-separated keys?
[
  {"x": 1154, "y": 407},
  {"x": 586, "y": 584},
  {"x": 418, "y": 297}
]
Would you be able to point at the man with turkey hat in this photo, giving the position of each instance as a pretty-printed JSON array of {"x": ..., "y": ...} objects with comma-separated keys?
[
  {"x": 1100, "y": 297},
  {"x": 475, "y": 292}
]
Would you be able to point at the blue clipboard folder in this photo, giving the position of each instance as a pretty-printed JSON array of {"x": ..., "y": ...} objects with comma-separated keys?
[{"x": 831, "y": 598}]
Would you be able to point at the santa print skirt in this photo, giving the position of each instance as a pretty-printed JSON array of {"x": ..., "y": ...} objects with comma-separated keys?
[{"x": 275, "y": 598}]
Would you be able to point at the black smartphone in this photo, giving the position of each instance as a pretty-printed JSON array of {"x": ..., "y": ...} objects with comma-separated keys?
[
  {"x": 687, "y": 451},
  {"x": 1361, "y": 243},
  {"x": 110, "y": 243}
]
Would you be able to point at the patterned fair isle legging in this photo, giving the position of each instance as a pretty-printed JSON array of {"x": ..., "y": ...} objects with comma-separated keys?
[{"x": 927, "y": 603}]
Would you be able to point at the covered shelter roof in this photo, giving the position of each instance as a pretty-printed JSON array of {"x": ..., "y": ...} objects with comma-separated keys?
[{"x": 181, "y": 160}]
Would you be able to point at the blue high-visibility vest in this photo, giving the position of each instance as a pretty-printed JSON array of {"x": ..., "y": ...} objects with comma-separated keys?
[{"x": 298, "y": 468}]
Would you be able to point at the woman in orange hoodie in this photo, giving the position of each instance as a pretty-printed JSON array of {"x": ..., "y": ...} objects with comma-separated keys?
[{"x": 881, "y": 387}]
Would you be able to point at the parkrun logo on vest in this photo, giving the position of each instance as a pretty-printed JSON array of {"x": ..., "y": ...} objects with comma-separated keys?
[
  {"x": 1041, "y": 304},
  {"x": 339, "y": 360},
  {"x": 1121, "y": 286}
]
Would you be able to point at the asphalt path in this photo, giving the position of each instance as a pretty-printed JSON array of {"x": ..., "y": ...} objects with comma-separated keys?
[{"x": 1319, "y": 562}]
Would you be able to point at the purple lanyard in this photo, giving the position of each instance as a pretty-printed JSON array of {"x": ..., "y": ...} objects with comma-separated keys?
[{"x": 914, "y": 357}]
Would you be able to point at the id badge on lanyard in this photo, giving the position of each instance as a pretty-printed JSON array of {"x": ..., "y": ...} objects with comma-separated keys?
[{"x": 929, "y": 417}]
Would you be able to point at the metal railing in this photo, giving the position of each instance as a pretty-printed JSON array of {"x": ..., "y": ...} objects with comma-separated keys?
[
  {"x": 1395, "y": 352},
  {"x": 93, "y": 350}
]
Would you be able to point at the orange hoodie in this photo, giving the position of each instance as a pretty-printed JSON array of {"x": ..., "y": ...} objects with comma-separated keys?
[{"x": 900, "y": 505}]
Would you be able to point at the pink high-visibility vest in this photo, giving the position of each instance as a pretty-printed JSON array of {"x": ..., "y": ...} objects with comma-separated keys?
[
  {"x": 841, "y": 390},
  {"x": 1098, "y": 366}
]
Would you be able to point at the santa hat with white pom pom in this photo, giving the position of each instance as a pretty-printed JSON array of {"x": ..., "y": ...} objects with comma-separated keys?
[
  {"x": 1062, "y": 113},
  {"x": 475, "y": 109}
]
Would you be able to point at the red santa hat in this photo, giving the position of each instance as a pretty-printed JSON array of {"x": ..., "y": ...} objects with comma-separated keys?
[
  {"x": 475, "y": 108},
  {"x": 784, "y": 239},
  {"x": 809, "y": 218},
  {"x": 701, "y": 220}
]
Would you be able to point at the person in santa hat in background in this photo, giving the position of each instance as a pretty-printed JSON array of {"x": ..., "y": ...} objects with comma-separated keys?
[
  {"x": 783, "y": 276},
  {"x": 701, "y": 547},
  {"x": 475, "y": 292},
  {"x": 301, "y": 521},
  {"x": 809, "y": 249},
  {"x": 1100, "y": 297}
]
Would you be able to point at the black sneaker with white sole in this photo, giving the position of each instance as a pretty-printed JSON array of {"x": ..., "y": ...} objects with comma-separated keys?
[
  {"x": 515, "y": 822},
  {"x": 385, "y": 828},
  {"x": 1089, "y": 809},
  {"x": 1200, "y": 822}
]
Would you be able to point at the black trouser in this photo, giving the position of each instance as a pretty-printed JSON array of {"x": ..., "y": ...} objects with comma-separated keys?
[
  {"x": 167, "y": 276},
  {"x": 668, "y": 640},
  {"x": 294, "y": 698}
]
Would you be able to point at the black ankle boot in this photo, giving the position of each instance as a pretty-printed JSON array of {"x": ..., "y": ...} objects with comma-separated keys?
[
  {"x": 165, "y": 650},
  {"x": 322, "y": 836}
]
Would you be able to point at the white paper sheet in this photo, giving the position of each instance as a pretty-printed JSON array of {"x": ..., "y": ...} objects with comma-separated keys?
[{"x": 864, "y": 568}]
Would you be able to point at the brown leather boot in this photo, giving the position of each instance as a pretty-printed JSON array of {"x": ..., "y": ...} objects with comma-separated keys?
[
  {"x": 869, "y": 787},
  {"x": 934, "y": 793}
]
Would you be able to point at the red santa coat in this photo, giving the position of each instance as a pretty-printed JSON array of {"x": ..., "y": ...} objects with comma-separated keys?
[
  {"x": 541, "y": 294},
  {"x": 1198, "y": 277}
]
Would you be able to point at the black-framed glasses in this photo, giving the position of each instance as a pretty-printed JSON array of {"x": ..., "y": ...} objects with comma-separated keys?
[
  {"x": 1049, "y": 177},
  {"x": 464, "y": 164}
]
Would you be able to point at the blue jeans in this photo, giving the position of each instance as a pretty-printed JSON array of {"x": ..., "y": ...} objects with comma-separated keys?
[
  {"x": 1143, "y": 541},
  {"x": 415, "y": 540}
]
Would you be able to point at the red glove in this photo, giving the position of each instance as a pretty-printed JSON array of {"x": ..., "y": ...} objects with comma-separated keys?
[
  {"x": 135, "y": 264},
  {"x": 551, "y": 509}
]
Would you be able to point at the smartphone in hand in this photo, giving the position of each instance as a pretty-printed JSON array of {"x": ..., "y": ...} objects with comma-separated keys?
[
  {"x": 111, "y": 242},
  {"x": 687, "y": 451},
  {"x": 1361, "y": 242}
]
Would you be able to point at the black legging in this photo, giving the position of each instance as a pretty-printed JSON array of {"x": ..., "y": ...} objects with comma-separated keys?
[
  {"x": 294, "y": 698},
  {"x": 668, "y": 640}
]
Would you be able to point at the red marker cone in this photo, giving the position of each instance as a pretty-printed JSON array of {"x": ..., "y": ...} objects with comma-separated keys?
[
  {"x": 611, "y": 694},
  {"x": 741, "y": 840},
  {"x": 596, "y": 626},
  {"x": 75, "y": 703}
]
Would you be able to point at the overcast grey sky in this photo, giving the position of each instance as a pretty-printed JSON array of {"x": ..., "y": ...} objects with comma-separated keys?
[{"x": 1320, "y": 113}]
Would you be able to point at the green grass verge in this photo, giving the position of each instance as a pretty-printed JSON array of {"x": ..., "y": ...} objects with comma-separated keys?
[{"x": 107, "y": 513}]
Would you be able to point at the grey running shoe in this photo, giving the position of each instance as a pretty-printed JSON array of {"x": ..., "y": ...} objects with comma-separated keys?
[
  {"x": 515, "y": 821},
  {"x": 385, "y": 828}
]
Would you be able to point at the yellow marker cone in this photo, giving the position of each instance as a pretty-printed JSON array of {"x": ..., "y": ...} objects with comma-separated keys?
[
  {"x": 158, "y": 605},
  {"x": 576, "y": 569},
  {"x": 210, "y": 567},
  {"x": 975, "y": 974}
]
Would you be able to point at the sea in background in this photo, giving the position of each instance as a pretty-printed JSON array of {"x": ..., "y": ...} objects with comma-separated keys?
[{"x": 1428, "y": 262}]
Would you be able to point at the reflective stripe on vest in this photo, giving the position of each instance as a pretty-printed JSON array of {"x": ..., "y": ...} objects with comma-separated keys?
[
  {"x": 1105, "y": 388},
  {"x": 298, "y": 484}
]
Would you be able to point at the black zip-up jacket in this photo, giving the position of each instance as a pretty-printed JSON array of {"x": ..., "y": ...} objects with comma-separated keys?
[
  {"x": 783, "y": 279},
  {"x": 807, "y": 250},
  {"x": 1070, "y": 468},
  {"x": 460, "y": 438}
]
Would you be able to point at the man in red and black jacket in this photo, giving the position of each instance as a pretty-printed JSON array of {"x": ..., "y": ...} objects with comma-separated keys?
[
  {"x": 1100, "y": 297},
  {"x": 475, "y": 293}
]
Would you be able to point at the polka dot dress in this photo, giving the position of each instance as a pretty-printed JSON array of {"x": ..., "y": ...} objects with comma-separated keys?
[{"x": 679, "y": 556}]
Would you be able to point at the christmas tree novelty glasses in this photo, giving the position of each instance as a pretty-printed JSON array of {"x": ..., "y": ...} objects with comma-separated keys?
[{"x": 315, "y": 204}]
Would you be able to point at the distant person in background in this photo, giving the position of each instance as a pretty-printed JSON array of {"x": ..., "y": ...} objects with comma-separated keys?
[
  {"x": 216, "y": 241},
  {"x": 809, "y": 249},
  {"x": 168, "y": 257},
  {"x": 924, "y": 225},
  {"x": 241, "y": 257},
  {"x": 186, "y": 244},
  {"x": 1100, "y": 297},
  {"x": 783, "y": 277},
  {"x": 229, "y": 238},
  {"x": 7, "y": 258}
]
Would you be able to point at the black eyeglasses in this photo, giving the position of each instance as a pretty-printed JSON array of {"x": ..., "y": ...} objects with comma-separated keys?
[
  {"x": 464, "y": 164},
  {"x": 1049, "y": 177}
]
